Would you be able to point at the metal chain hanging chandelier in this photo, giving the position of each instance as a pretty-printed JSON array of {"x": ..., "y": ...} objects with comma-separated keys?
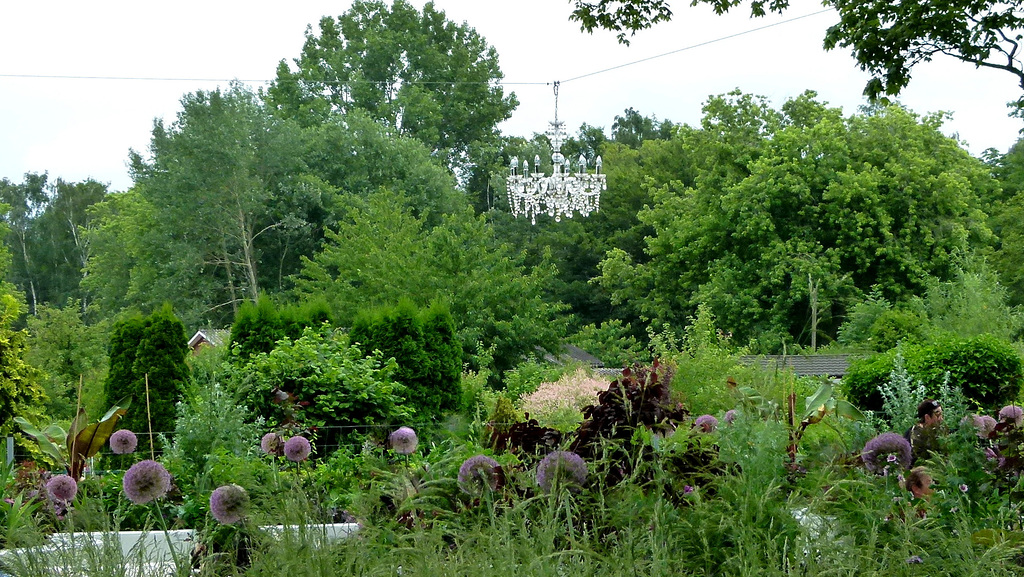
[{"x": 561, "y": 193}]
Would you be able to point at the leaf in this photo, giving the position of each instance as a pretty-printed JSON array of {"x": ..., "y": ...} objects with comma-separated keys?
[
  {"x": 122, "y": 404},
  {"x": 77, "y": 424},
  {"x": 91, "y": 439},
  {"x": 44, "y": 442},
  {"x": 817, "y": 401},
  {"x": 847, "y": 410}
]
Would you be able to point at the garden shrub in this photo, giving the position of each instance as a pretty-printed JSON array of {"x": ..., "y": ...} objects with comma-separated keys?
[
  {"x": 256, "y": 329},
  {"x": 152, "y": 349},
  {"x": 612, "y": 342},
  {"x": 211, "y": 421},
  {"x": 560, "y": 404},
  {"x": 986, "y": 368},
  {"x": 258, "y": 326},
  {"x": 320, "y": 380},
  {"x": 895, "y": 326},
  {"x": 429, "y": 362},
  {"x": 527, "y": 376}
]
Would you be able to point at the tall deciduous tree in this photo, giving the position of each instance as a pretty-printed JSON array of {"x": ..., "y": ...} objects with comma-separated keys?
[
  {"x": 419, "y": 73},
  {"x": 886, "y": 38},
  {"x": 25, "y": 202},
  {"x": 46, "y": 236},
  {"x": 789, "y": 203},
  {"x": 382, "y": 253}
]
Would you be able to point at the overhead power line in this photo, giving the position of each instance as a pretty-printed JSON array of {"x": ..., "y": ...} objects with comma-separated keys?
[{"x": 422, "y": 82}]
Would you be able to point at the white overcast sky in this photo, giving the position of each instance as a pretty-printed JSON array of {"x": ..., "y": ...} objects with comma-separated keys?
[{"x": 80, "y": 128}]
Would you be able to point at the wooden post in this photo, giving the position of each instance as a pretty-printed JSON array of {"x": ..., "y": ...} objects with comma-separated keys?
[{"x": 149, "y": 422}]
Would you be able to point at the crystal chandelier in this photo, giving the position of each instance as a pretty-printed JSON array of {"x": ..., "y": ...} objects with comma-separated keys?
[{"x": 561, "y": 193}]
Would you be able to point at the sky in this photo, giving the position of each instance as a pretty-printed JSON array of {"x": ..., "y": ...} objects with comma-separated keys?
[{"x": 78, "y": 128}]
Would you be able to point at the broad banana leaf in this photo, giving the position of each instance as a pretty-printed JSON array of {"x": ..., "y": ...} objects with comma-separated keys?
[
  {"x": 91, "y": 439},
  {"x": 77, "y": 424},
  {"x": 817, "y": 401}
]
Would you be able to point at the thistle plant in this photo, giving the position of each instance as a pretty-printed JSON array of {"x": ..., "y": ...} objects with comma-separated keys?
[
  {"x": 123, "y": 442},
  {"x": 229, "y": 504},
  {"x": 705, "y": 423},
  {"x": 403, "y": 441},
  {"x": 147, "y": 481},
  {"x": 297, "y": 449},
  {"x": 1012, "y": 413},
  {"x": 901, "y": 395}
]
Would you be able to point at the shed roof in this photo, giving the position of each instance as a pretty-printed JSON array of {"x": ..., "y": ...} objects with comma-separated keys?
[{"x": 803, "y": 365}]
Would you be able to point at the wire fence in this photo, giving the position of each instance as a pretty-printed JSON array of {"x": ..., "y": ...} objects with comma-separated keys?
[{"x": 325, "y": 440}]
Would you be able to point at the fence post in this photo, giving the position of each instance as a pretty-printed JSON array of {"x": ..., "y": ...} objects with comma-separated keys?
[{"x": 10, "y": 450}]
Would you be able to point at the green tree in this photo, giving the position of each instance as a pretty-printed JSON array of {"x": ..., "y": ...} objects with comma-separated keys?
[
  {"x": 148, "y": 353},
  {"x": 632, "y": 129},
  {"x": 886, "y": 38},
  {"x": 68, "y": 352},
  {"x": 424, "y": 346},
  {"x": 382, "y": 253},
  {"x": 795, "y": 213},
  {"x": 46, "y": 224},
  {"x": 20, "y": 392},
  {"x": 331, "y": 383},
  {"x": 419, "y": 73},
  {"x": 24, "y": 203}
]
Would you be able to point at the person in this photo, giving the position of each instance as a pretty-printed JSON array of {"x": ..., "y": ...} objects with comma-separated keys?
[
  {"x": 919, "y": 483},
  {"x": 924, "y": 435}
]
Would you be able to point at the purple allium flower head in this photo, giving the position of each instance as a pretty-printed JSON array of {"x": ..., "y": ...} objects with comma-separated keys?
[
  {"x": 145, "y": 481},
  {"x": 687, "y": 489},
  {"x": 62, "y": 488},
  {"x": 1012, "y": 413},
  {"x": 271, "y": 444},
  {"x": 882, "y": 446},
  {"x": 730, "y": 416},
  {"x": 706, "y": 423},
  {"x": 477, "y": 475},
  {"x": 123, "y": 442},
  {"x": 403, "y": 441},
  {"x": 984, "y": 425},
  {"x": 228, "y": 504},
  {"x": 559, "y": 468},
  {"x": 297, "y": 448}
]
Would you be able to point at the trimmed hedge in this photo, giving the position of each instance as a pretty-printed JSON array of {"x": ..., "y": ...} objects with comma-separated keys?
[
  {"x": 424, "y": 345},
  {"x": 986, "y": 368},
  {"x": 156, "y": 346},
  {"x": 258, "y": 326}
]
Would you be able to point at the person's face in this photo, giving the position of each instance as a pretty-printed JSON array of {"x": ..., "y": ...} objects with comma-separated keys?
[
  {"x": 933, "y": 419},
  {"x": 924, "y": 490}
]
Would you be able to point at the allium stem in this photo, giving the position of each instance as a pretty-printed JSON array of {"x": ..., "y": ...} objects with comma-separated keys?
[{"x": 167, "y": 536}]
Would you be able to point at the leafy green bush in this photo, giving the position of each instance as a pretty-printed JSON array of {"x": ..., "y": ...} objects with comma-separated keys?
[
  {"x": 986, "y": 368},
  {"x": 895, "y": 326},
  {"x": 320, "y": 380},
  {"x": 212, "y": 421},
  {"x": 612, "y": 342},
  {"x": 258, "y": 326}
]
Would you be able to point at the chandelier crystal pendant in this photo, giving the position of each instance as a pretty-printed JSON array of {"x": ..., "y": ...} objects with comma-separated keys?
[{"x": 561, "y": 193}]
